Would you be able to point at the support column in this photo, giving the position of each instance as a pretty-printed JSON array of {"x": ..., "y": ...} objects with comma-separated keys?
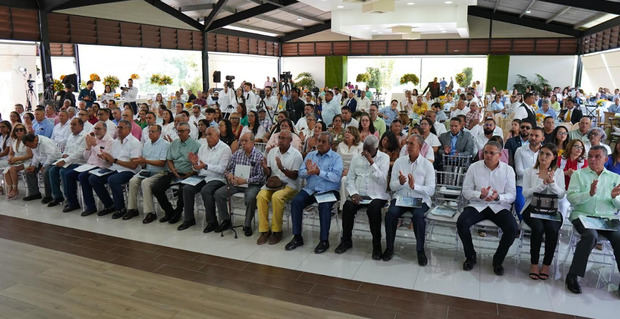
[
  {"x": 205, "y": 62},
  {"x": 578, "y": 71},
  {"x": 76, "y": 55},
  {"x": 279, "y": 60},
  {"x": 44, "y": 53}
]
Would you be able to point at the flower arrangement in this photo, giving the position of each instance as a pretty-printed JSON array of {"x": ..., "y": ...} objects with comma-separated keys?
[
  {"x": 409, "y": 77},
  {"x": 460, "y": 79},
  {"x": 601, "y": 102},
  {"x": 189, "y": 105},
  {"x": 363, "y": 77},
  {"x": 112, "y": 81},
  {"x": 540, "y": 118},
  {"x": 161, "y": 80},
  {"x": 62, "y": 77},
  {"x": 117, "y": 95},
  {"x": 134, "y": 76},
  {"x": 442, "y": 100},
  {"x": 94, "y": 77},
  {"x": 58, "y": 86}
]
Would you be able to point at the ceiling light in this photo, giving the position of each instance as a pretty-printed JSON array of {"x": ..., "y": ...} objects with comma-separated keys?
[
  {"x": 447, "y": 2},
  {"x": 443, "y": 31},
  {"x": 339, "y": 6},
  {"x": 410, "y": 3},
  {"x": 298, "y": 19},
  {"x": 528, "y": 11}
]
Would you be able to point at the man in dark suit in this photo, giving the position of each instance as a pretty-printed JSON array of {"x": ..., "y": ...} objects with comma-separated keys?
[
  {"x": 295, "y": 106},
  {"x": 456, "y": 141},
  {"x": 572, "y": 113},
  {"x": 434, "y": 87},
  {"x": 351, "y": 102}
]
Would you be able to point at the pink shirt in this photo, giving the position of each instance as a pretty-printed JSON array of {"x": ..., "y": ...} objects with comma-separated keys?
[
  {"x": 91, "y": 155},
  {"x": 136, "y": 130}
]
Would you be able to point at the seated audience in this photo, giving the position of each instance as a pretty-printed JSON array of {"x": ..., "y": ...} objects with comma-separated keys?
[
  {"x": 525, "y": 158},
  {"x": 613, "y": 162},
  {"x": 349, "y": 147},
  {"x": 44, "y": 153}
]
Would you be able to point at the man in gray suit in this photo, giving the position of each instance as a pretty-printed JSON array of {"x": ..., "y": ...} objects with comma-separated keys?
[{"x": 456, "y": 141}]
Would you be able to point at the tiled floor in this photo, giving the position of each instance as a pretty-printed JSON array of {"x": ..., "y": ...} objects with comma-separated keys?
[{"x": 442, "y": 276}]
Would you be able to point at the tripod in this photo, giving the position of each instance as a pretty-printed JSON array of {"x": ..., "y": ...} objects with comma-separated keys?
[
  {"x": 229, "y": 110},
  {"x": 263, "y": 105},
  {"x": 230, "y": 212},
  {"x": 29, "y": 93}
]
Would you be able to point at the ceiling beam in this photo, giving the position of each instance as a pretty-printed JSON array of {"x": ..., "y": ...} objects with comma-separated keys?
[
  {"x": 524, "y": 21},
  {"x": 557, "y": 14},
  {"x": 496, "y": 5},
  {"x": 307, "y": 31},
  {"x": 197, "y": 7},
  {"x": 246, "y": 14},
  {"x": 238, "y": 33},
  {"x": 289, "y": 10},
  {"x": 594, "y": 5},
  {"x": 214, "y": 11},
  {"x": 251, "y": 27},
  {"x": 24, "y": 4},
  {"x": 176, "y": 13},
  {"x": 52, "y": 5},
  {"x": 529, "y": 6},
  {"x": 605, "y": 25}
]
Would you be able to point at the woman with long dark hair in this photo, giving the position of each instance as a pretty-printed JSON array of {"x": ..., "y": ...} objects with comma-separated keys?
[
  {"x": 560, "y": 139},
  {"x": 389, "y": 145},
  {"x": 19, "y": 158},
  {"x": 545, "y": 176},
  {"x": 613, "y": 162},
  {"x": 366, "y": 127},
  {"x": 226, "y": 132},
  {"x": 254, "y": 127}
]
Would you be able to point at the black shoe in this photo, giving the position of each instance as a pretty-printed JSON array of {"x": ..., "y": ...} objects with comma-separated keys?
[
  {"x": 343, "y": 246},
  {"x": 54, "y": 203},
  {"x": 321, "y": 247},
  {"x": 186, "y": 224},
  {"x": 469, "y": 263},
  {"x": 572, "y": 284},
  {"x": 165, "y": 218},
  {"x": 150, "y": 217},
  {"x": 422, "y": 260},
  {"x": 387, "y": 255},
  {"x": 105, "y": 211},
  {"x": 46, "y": 200},
  {"x": 131, "y": 213},
  {"x": 498, "y": 269},
  {"x": 88, "y": 212},
  {"x": 223, "y": 226},
  {"x": 376, "y": 252},
  {"x": 297, "y": 241},
  {"x": 69, "y": 208},
  {"x": 119, "y": 213},
  {"x": 175, "y": 217},
  {"x": 32, "y": 197},
  {"x": 210, "y": 228},
  {"x": 247, "y": 231}
]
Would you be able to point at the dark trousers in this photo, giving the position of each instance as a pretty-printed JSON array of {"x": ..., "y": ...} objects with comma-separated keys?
[
  {"x": 550, "y": 229},
  {"x": 223, "y": 193},
  {"x": 159, "y": 188},
  {"x": 206, "y": 191},
  {"x": 69, "y": 178},
  {"x": 589, "y": 238},
  {"x": 373, "y": 210},
  {"x": 419, "y": 224},
  {"x": 115, "y": 181},
  {"x": 303, "y": 200},
  {"x": 32, "y": 181},
  {"x": 503, "y": 219}
]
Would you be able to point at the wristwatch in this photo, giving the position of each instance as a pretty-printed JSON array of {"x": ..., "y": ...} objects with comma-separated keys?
[{"x": 115, "y": 160}]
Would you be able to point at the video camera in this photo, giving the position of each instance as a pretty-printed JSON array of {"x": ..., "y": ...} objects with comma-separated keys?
[
  {"x": 229, "y": 81},
  {"x": 261, "y": 94},
  {"x": 286, "y": 76}
]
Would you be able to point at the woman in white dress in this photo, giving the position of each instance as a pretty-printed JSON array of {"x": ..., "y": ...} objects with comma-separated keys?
[
  {"x": 19, "y": 157},
  {"x": 350, "y": 146},
  {"x": 167, "y": 126},
  {"x": 108, "y": 94}
]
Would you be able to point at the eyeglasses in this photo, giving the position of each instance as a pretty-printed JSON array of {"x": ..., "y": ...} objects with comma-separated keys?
[
  {"x": 490, "y": 153},
  {"x": 578, "y": 147},
  {"x": 183, "y": 130},
  {"x": 526, "y": 128},
  {"x": 20, "y": 130}
]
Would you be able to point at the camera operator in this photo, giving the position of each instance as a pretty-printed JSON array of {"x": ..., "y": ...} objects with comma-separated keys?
[
  {"x": 226, "y": 99},
  {"x": 295, "y": 106},
  {"x": 67, "y": 94},
  {"x": 271, "y": 100},
  {"x": 251, "y": 100},
  {"x": 130, "y": 94},
  {"x": 87, "y": 94}
]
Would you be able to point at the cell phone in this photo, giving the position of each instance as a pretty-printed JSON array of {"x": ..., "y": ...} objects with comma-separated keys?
[{"x": 101, "y": 147}]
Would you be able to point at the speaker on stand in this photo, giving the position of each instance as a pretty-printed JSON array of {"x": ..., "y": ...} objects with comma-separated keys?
[{"x": 217, "y": 77}]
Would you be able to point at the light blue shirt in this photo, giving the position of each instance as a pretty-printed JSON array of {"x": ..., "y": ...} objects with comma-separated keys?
[
  {"x": 497, "y": 106},
  {"x": 45, "y": 127},
  {"x": 330, "y": 166},
  {"x": 330, "y": 109},
  {"x": 614, "y": 108},
  {"x": 453, "y": 140},
  {"x": 390, "y": 114},
  {"x": 155, "y": 152}
]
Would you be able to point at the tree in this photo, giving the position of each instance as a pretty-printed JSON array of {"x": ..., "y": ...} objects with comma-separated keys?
[
  {"x": 305, "y": 80},
  {"x": 537, "y": 85},
  {"x": 375, "y": 77},
  {"x": 363, "y": 77}
]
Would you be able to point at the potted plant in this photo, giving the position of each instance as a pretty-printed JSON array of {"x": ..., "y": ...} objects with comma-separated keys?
[
  {"x": 304, "y": 80},
  {"x": 363, "y": 77},
  {"x": 410, "y": 78}
]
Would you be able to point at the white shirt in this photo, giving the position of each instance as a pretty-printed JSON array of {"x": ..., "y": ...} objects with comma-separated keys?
[
  {"x": 588, "y": 145},
  {"x": 363, "y": 105},
  {"x": 291, "y": 160},
  {"x": 369, "y": 180},
  {"x": 88, "y": 127},
  {"x": 74, "y": 148},
  {"x": 194, "y": 120},
  {"x": 458, "y": 112},
  {"x": 271, "y": 102},
  {"x": 216, "y": 158},
  {"x": 169, "y": 130},
  {"x": 61, "y": 133},
  {"x": 520, "y": 113},
  {"x": 501, "y": 179},
  {"x": 131, "y": 94},
  {"x": 423, "y": 176},
  {"x": 251, "y": 100},
  {"x": 525, "y": 159},
  {"x": 302, "y": 125},
  {"x": 259, "y": 133},
  {"x": 480, "y": 139},
  {"x": 125, "y": 150},
  {"x": 353, "y": 122},
  {"x": 110, "y": 129},
  {"x": 440, "y": 128},
  {"x": 46, "y": 152},
  {"x": 432, "y": 140},
  {"x": 532, "y": 183}
]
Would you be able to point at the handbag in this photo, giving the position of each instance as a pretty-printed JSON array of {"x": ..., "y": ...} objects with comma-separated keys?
[
  {"x": 545, "y": 203},
  {"x": 274, "y": 183}
]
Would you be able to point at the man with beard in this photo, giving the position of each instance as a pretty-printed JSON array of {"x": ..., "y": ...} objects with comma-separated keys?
[{"x": 515, "y": 142}]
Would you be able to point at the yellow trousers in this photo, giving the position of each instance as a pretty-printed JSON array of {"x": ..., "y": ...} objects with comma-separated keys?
[{"x": 278, "y": 202}]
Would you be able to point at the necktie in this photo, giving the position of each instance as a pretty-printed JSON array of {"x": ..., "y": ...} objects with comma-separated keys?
[{"x": 568, "y": 115}]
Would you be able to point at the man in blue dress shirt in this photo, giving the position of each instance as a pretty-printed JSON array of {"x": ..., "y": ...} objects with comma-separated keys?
[
  {"x": 42, "y": 125},
  {"x": 322, "y": 170}
]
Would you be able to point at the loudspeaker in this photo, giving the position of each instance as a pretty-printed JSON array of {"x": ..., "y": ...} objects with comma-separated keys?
[
  {"x": 217, "y": 76},
  {"x": 71, "y": 79}
]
